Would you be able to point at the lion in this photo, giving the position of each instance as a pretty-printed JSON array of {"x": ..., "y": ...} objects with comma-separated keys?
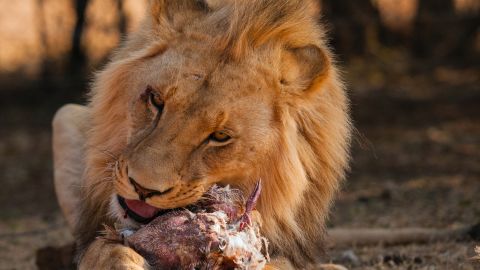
[{"x": 208, "y": 92}]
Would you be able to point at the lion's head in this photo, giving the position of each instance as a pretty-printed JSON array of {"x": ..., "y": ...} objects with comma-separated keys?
[{"x": 222, "y": 92}]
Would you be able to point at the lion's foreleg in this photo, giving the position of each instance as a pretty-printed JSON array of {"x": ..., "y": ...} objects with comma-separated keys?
[
  {"x": 102, "y": 254},
  {"x": 70, "y": 125}
]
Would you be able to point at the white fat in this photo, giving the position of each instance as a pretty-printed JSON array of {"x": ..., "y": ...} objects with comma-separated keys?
[
  {"x": 126, "y": 232},
  {"x": 215, "y": 228},
  {"x": 244, "y": 246}
]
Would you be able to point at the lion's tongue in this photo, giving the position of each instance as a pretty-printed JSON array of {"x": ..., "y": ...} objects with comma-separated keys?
[{"x": 141, "y": 208}]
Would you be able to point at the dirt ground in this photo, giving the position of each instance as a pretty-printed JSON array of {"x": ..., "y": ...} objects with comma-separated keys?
[{"x": 415, "y": 163}]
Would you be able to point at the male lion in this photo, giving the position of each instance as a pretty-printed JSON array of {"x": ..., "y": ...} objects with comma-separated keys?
[{"x": 208, "y": 92}]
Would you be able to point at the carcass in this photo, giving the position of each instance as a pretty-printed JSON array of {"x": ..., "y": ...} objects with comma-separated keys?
[{"x": 221, "y": 231}]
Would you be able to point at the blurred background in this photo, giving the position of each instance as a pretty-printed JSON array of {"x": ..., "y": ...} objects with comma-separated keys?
[{"x": 413, "y": 72}]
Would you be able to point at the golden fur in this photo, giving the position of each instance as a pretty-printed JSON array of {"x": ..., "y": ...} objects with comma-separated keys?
[{"x": 259, "y": 69}]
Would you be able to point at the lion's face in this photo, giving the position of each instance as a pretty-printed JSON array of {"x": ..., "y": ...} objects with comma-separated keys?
[{"x": 193, "y": 122}]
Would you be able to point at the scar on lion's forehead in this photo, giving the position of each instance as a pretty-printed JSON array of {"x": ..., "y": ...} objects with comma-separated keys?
[{"x": 222, "y": 118}]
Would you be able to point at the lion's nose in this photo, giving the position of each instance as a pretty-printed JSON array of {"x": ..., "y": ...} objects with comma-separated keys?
[{"x": 144, "y": 193}]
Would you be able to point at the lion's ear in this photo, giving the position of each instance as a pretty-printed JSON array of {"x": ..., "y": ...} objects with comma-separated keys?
[{"x": 304, "y": 68}]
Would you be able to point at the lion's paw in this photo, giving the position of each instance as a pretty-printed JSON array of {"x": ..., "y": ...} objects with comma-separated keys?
[{"x": 101, "y": 255}]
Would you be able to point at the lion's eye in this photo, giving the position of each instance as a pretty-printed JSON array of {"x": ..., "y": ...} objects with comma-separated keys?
[
  {"x": 157, "y": 101},
  {"x": 220, "y": 136},
  {"x": 153, "y": 98}
]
